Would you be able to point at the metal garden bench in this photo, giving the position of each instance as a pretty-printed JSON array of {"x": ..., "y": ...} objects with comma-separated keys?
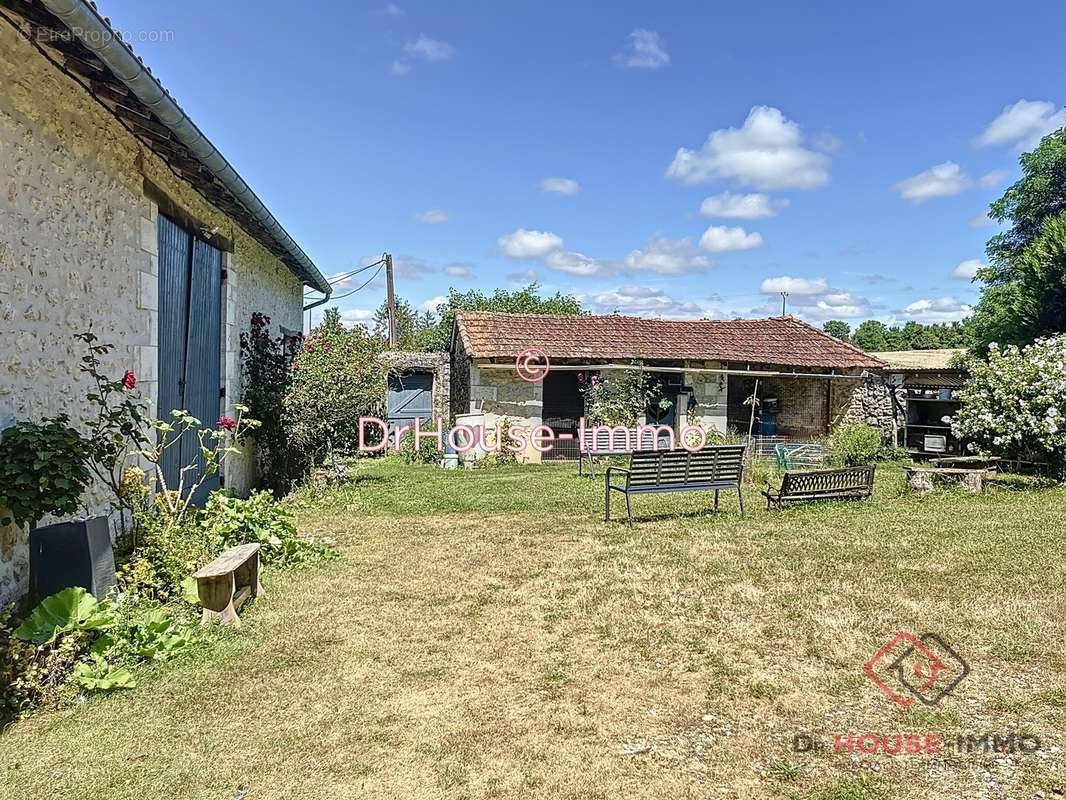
[
  {"x": 850, "y": 483},
  {"x": 605, "y": 441},
  {"x": 711, "y": 469}
]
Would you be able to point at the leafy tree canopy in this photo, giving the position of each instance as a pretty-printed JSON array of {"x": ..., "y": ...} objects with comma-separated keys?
[
  {"x": 874, "y": 336},
  {"x": 1024, "y": 296}
]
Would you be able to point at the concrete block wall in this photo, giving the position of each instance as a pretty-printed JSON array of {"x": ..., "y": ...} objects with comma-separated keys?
[{"x": 78, "y": 244}]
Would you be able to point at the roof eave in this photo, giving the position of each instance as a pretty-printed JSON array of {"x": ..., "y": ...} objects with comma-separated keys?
[{"x": 96, "y": 34}]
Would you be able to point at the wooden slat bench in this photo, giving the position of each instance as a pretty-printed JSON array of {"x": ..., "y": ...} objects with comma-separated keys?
[
  {"x": 713, "y": 468},
  {"x": 227, "y": 582},
  {"x": 602, "y": 440},
  {"x": 849, "y": 483}
]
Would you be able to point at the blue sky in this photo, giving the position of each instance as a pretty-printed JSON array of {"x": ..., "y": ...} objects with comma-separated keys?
[{"x": 674, "y": 159}]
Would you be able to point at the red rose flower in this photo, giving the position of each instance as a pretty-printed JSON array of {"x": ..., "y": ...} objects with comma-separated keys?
[
  {"x": 129, "y": 380},
  {"x": 227, "y": 423}
]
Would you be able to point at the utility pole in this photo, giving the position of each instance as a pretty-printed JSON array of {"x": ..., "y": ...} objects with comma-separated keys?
[
  {"x": 391, "y": 300},
  {"x": 784, "y": 299}
]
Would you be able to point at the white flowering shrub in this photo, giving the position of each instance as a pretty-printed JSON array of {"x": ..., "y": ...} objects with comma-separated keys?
[{"x": 1014, "y": 404}]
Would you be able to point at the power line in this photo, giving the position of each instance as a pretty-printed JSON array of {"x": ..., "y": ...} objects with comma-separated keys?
[
  {"x": 360, "y": 286},
  {"x": 338, "y": 278}
]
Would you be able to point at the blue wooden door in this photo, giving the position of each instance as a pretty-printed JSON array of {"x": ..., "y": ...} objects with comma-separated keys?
[
  {"x": 190, "y": 344},
  {"x": 410, "y": 396}
]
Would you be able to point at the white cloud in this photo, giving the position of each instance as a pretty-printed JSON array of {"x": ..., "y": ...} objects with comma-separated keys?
[
  {"x": 642, "y": 301},
  {"x": 459, "y": 269},
  {"x": 943, "y": 180},
  {"x": 432, "y": 303},
  {"x": 740, "y": 206},
  {"x": 981, "y": 221},
  {"x": 767, "y": 152},
  {"x": 421, "y": 49},
  {"x": 813, "y": 299},
  {"x": 576, "y": 263},
  {"x": 354, "y": 316},
  {"x": 428, "y": 49},
  {"x": 392, "y": 10},
  {"x": 524, "y": 277},
  {"x": 967, "y": 270},
  {"x": 644, "y": 50},
  {"x": 409, "y": 267},
  {"x": 667, "y": 257},
  {"x": 786, "y": 283},
  {"x": 435, "y": 216},
  {"x": 994, "y": 178},
  {"x": 720, "y": 238},
  {"x": 566, "y": 186},
  {"x": 1023, "y": 124},
  {"x": 941, "y": 309},
  {"x": 838, "y": 303},
  {"x": 526, "y": 244}
]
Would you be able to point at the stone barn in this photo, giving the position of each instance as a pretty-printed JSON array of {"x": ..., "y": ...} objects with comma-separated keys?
[
  {"x": 806, "y": 381},
  {"x": 116, "y": 210}
]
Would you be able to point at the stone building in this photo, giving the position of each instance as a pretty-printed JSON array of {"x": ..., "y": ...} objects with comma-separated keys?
[
  {"x": 806, "y": 381},
  {"x": 115, "y": 210}
]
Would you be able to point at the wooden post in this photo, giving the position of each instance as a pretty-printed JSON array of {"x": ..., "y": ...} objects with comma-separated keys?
[{"x": 391, "y": 295}]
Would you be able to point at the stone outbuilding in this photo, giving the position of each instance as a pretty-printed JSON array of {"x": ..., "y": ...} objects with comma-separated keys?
[
  {"x": 117, "y": 211},
  {"x": 806, "y": 381}
]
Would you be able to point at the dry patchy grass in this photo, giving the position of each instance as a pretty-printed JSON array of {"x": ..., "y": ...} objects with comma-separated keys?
[{"x": 486, "y": 635}]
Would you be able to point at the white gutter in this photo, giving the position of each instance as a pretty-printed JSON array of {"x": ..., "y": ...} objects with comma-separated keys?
[{"x": 92, "y": 31}]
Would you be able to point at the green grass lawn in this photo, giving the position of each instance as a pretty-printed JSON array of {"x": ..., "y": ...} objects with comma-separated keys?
[{"x": 485, "y": 634}]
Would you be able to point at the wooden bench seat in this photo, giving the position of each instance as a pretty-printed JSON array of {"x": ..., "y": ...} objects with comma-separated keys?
[
  {"x": 849, "y": 483},
  {"x": 227, "y": 582},
  {"x": 712, "y": 468}
]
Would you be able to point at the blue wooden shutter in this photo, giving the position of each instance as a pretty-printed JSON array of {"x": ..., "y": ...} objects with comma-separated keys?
[
  {"x": 174, "y": 247},
  {"x": 190, "y": 344},
  {"x": 203, "y": 378}
]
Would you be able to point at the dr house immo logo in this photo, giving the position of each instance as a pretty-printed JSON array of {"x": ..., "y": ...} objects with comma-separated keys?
[{"x": 923, "y": 668}]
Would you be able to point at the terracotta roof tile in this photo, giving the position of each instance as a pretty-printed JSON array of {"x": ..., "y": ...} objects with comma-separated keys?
[{"x": 779, "y": 341}]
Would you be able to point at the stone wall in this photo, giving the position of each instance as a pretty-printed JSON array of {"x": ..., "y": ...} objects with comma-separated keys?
[
  {"x": 503, "y": 395},
  {"x": 869, "y": 401},
  {"x": 78, "y": 243}
]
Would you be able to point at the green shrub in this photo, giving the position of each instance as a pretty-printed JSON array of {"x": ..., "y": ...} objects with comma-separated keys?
[
  {"x": 859, "y": 444},
  {"x": 72, "y": 644},
  {"x": 43, "y": 469},
  {"x": 229, "y": 521},
  {"x": 427, "y": 451},
  {"x": 337, "y": 377}
]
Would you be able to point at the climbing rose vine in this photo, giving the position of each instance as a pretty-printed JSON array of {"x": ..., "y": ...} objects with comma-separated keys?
[{"x": 1014, "y": 404}]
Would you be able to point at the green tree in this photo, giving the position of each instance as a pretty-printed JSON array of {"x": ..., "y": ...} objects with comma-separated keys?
[
  {"x": 337, "y": 377},
  {"x": 872, "y": 336},
  {"x": 1024, "y": 296},
  {"x": 835, "y": 327},
  {"x": 415, "y": 330},
  {"x": 526, "y": 300}
]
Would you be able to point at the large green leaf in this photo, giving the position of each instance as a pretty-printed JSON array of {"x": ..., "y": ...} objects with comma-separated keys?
[{"x": 70, "y": 609}]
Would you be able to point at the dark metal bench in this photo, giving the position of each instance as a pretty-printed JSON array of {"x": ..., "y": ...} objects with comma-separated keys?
[
  {"x": 602, "y": 440},
  {"x": 711, "y": 469},
  {"x": 850, "y": 483}
]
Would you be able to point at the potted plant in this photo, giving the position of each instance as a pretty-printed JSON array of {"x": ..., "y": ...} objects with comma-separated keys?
[{"x": 44, "y": 470}]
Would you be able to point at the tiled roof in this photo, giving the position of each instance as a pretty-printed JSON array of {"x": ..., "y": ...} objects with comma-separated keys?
[{"x": 778, "y": 341}]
